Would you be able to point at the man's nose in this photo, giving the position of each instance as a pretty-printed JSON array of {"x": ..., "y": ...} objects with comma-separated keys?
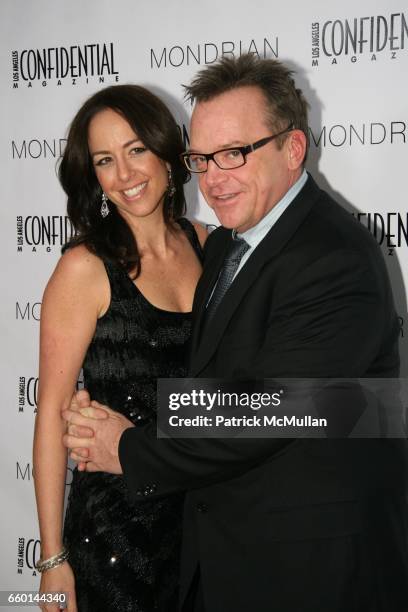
[{"x": 214, "y": 174}]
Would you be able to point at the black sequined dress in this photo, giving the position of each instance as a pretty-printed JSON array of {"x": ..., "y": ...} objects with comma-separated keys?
[{"x": 125, "y": 556}]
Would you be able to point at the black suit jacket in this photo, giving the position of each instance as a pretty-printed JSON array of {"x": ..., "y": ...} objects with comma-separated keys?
[{"x": 277, "y": 524}]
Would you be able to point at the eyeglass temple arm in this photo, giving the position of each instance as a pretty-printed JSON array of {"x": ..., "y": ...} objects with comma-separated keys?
[{"x": 264, "y": 141}]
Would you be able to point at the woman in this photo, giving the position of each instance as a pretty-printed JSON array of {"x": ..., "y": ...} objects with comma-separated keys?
[{"x": 119, "y": 304}]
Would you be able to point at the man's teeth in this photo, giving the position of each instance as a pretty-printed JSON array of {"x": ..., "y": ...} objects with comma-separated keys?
[
  {"x": 135, "y": 190},
  {"x": 227, "y": 196}
]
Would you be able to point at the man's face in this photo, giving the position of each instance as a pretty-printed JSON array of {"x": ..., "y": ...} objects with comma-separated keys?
[{"x": 241, "y": 197}]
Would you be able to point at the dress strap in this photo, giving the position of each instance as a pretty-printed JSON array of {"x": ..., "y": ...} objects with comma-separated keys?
[
  {"x": 120, "y": 283},
  {"x": 191, "y": 234}
]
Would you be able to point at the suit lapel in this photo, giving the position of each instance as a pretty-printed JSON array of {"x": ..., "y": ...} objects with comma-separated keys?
[
  {"x": 213, "y": 260},
  {"x": 204, "y": 346}
]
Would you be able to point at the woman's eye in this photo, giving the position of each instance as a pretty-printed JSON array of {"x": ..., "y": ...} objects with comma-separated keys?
[
  {"x": 137, "y": 150},
  {"x": 103, "y": 161}
]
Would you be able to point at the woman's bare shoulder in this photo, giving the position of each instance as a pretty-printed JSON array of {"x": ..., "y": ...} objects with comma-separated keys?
[
  {"x": 79, "y": 263},
  {"x": 82, "y": 273},
  {"x": 80, "y": 258}
]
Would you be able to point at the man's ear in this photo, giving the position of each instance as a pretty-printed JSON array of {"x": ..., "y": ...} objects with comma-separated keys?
[{"x": 296, "y": 148}]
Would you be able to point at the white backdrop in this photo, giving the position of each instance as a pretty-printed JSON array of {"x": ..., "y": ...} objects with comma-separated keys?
[{"x": 351, "y": 61}]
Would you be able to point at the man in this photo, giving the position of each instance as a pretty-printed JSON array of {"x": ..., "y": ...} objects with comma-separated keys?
[{"x": 285, "y": 525}]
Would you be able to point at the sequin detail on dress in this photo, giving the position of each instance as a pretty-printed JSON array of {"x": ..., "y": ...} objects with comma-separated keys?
[{"x": 125, "y": 556}]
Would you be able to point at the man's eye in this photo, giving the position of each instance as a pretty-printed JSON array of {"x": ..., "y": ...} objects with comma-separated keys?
[
  {"x": 197, "y": 159},
  {"x": 198, "y": 162},
  {"x": 233, "y": 153}
]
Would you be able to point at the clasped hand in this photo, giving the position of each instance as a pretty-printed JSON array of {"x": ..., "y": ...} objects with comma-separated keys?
[{"x": 93, "y": 434}]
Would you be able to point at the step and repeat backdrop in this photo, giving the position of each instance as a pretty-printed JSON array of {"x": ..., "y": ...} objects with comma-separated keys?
[{"x": 351, "y": 60}]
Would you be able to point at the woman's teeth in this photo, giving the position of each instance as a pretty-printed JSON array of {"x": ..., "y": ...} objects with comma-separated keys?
[{"x": 130, "y": 193}]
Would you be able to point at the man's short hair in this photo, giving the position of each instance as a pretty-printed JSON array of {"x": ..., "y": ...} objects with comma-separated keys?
[{"x": 285, "y": 103}]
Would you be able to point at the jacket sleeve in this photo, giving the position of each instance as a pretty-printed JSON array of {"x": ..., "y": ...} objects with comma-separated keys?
[{"x": 330, "y": 322}]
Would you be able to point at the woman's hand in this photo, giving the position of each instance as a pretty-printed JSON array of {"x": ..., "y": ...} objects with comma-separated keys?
[{"x": 59, "y": 579}]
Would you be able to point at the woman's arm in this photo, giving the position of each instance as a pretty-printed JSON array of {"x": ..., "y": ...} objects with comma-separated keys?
[{"x": 76, "y": 295}]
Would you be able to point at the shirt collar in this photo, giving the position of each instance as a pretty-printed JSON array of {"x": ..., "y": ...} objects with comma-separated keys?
[{"x": 254, "y": 235}]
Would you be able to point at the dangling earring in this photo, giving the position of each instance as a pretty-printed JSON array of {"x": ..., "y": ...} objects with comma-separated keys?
[
  {"x": 104, "y": 206},
  {"x": 171, "y": 189}
]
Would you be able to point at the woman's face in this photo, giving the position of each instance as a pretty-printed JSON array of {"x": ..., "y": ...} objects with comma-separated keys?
[{"x": 131, "y": 176}]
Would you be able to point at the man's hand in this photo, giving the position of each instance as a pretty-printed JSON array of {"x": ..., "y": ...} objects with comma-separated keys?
[
  {"x": 94, "y": 433},
  {"x": 80, "y": 399}
]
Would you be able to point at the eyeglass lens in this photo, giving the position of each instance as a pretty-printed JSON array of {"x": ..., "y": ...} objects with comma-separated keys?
[{"x": 226, "y": 159}]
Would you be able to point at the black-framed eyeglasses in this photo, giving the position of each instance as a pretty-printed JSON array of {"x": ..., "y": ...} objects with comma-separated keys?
[{"x": 226, "y": 159}]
